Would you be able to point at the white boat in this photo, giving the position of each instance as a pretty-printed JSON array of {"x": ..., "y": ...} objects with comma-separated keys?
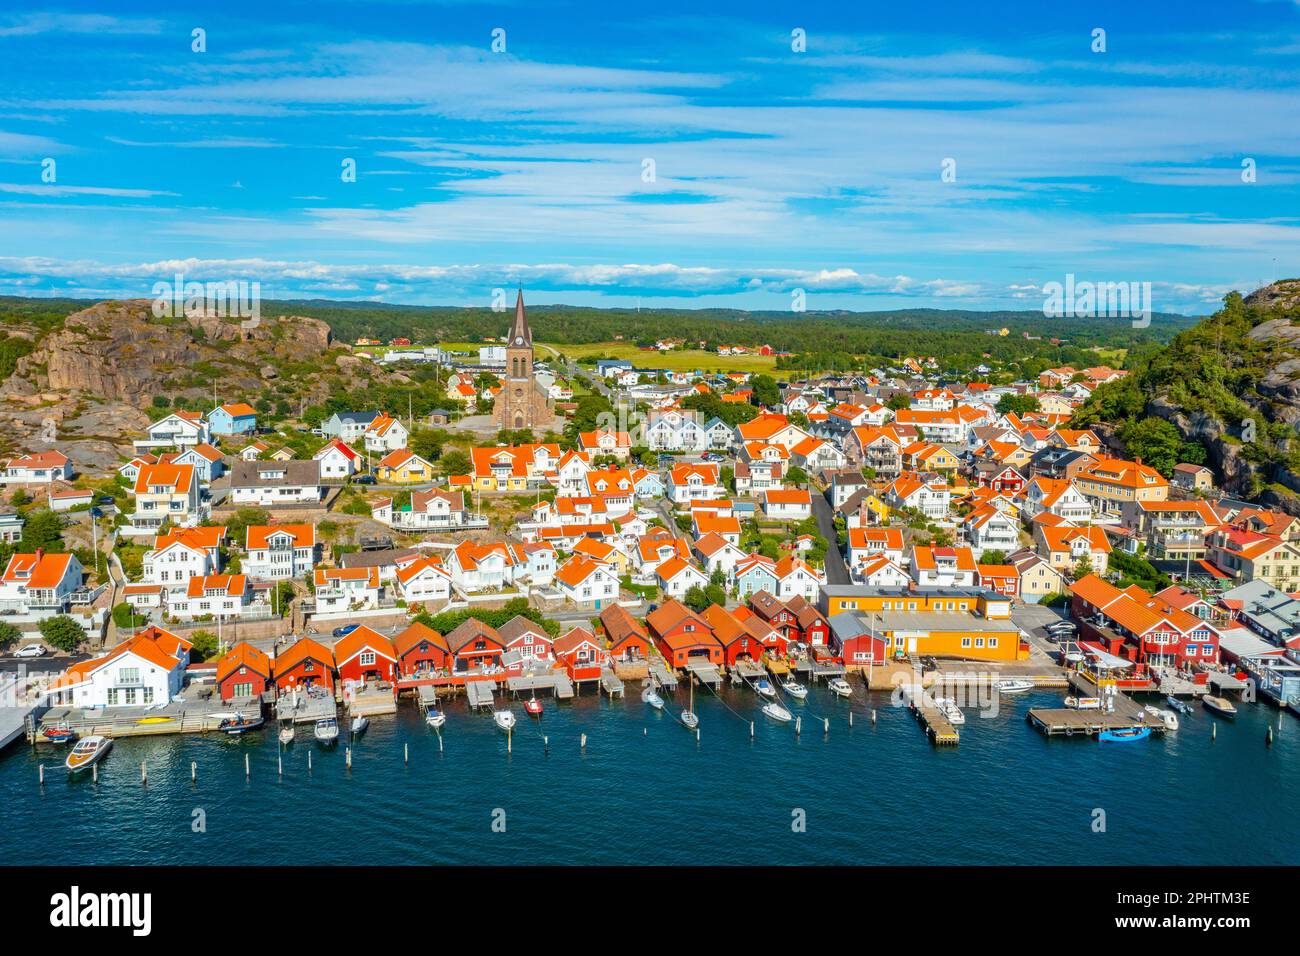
[
  {"x": 651, "y": 696},
  {"x": 359, "y": 725},
  {"x": 286, "y": 732},
  {"x": 1219, "y": 705},
  {"x": 764, "y": 687},
  {"x": 89, "y": 750},
  {"x": 327, "y": 730},
  {"x": 505, "y": 719},
  {"x": 777, "y": 712},
  {"x": 688, "y": 715},
  {"x": 839, "y": 686},
  {"x": 794, "y": 689},
  {"x": 1014, "y": 686},
  {"x": 1083, "y": 703},
  {"x": 1166, "y": 717},
  {"x": 434, "y": 718},
  {"x": 948, "y": 707}
]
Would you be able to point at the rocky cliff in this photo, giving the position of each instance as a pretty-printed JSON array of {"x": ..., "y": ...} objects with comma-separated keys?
[{"x": 91, "y": 382}]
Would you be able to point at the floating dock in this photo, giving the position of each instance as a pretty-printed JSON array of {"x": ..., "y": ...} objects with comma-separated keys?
[
  {"x": 747, "y": 671},
  {"x": 1068, "y": 721},
  {"x": 306, "y": 708},
  {"x": 938, "y": 728},
  {"x": 663, "y": 676}
]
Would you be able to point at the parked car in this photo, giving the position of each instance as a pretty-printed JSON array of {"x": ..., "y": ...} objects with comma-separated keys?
[
  {"x": 363, "y": 480},
  {"x": 345, "y": 630},
  {"x": 31, "y": 650}
]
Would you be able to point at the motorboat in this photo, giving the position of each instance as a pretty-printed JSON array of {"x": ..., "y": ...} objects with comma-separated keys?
[
  {"x": 764, "y": 687},
  {"x": 777, "y": 712},
  {"x": 839, "y": 687},
  {"x": 88, "y": 751},
  {"x": 240, "y": 723},
  {"x": 327, "y": 730},
  {"x": 1124, "y": 735},
  {"x": 794, "y": 689},
  {"x": 1219, "y": 705},
  {"x": 1013, "y": 686},
  {"x": 533, "y": 706},
  {"x": 61, "y": 734},
  {"x": 286, "y": 732},
  {"x": 1179, "y": 705},
  {"x": 1083, "y": 703},
  {"x": 1166, "y": 717},
  {"x": 505, "y": 719},
  {"x": 359, "y": 725},
  {"x": 651, "y": 697},
  {"x": 948, "y": 707}
]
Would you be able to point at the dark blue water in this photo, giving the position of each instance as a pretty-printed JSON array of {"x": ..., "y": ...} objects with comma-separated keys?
[{"x": 645, "y": 792}]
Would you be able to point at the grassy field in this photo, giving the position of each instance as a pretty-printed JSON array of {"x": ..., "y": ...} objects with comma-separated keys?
[{"x": 677, "y": 359}]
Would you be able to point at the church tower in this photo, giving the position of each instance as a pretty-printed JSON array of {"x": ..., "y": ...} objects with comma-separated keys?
[{"x": 521, "y": 403}]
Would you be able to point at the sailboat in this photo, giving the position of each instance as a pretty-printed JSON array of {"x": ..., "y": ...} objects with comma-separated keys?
[{"x": 688, "y": 715}]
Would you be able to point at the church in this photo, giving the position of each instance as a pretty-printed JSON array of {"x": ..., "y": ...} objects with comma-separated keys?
[{"x": 521, "y": 403}]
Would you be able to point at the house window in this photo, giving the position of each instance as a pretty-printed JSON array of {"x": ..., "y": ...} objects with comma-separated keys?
[
  {"x": 965, "y": 642},
  {"x": 367, "y": 658}
]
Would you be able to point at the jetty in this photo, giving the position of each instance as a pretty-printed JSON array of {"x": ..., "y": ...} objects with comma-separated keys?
[
  {"x": 557, "y": 682},
  {"x": 747, "y": 671},
  {"x": 479, "y": 694},
  {"x": 610, "y": 683},
  {"x": 819, "y": 670},
  {"x": 662, "y": 675},
  {"x": 705, "y": 672},
  {"x": 1121, "y": 712},
  {"x": 938, "y": 728},
  {"x": 305, "y": 708}
]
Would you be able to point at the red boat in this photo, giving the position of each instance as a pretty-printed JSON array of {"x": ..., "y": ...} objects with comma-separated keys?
[
  {"x": 58, "y": 735},
  {"x": 533, "y": 706}
]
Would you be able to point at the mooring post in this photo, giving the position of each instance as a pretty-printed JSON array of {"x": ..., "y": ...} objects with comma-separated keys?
[
  {"x": 406, "y": 753},
  {"x": 144, "y": 772},
  {"x": 751, "y": 730},
  {"x": 873, "y": 715},
  {"x": 798, "y": 725},
  {"x": 850, "y": 718},
  {"x": 194, "y": 771},
  {"x": 308, "y": 760},
  {"x": 584, "y": 741},
  {"x": 347, "y": 757},
  {"x": 41, "y": 770}
]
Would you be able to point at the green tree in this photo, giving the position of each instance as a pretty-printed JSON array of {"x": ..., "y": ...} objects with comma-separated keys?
[
  {"x": 8, "y": 634},
  {"x": 1013, "y": 404},
  {"x": 455, "y": 462},
  {"x": 62, "y": 632},
  {"x": 766, "y": 392},
  {"x": 696, "y": 598},
  {"x": 205, "y": 645},
  {"x": 1159, "y": 444}
]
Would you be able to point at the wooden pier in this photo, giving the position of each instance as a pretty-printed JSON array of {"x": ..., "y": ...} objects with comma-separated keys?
[
  {"x": 663, "y": 676},
  {"x": 938, "y": 728},
  {"x": 705, "y": 672},
  {"x": 747, "y": 671},
  {"x": 555, "y": 681},
  {"x": 305, "y": 708},
  {"x": 479, "y": 694},
  {"x": 1068, "y": 721},
  {"x": 611, "y": 684}
]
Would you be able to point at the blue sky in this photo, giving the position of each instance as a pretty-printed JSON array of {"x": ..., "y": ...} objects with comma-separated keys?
[{"x": 774, "y": 170}]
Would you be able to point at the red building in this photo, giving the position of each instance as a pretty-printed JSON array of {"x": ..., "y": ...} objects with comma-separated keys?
[
  {"x": 1002, "y": 578},
  {"x": 307, "y": 663},
  {"x": 474, "y": 646},
  {"x": 776, "y": 613},
  {"x": 581, "y": 656},
  {"x": 524, "y": 640},
  {"x": 682, "y": 636},
  {"x": 243, "y": 671},
  {"x": 422, "y": 653},
  {"x": 853, "y": 642},
  {"x": 794, "y": 620},
  {"x": 365, "y": 655},
  {"x": 628, "y": 640},
  {"x": 813, "y": 627}
]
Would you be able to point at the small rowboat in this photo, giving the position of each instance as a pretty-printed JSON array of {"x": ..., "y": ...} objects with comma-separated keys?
[
  {"x": 59, "y": 735},
  {"x": 764, "y": 687},
  {"x": 155, "y": 720},
  {"x": 89, "y": 750},
  {"x": 505, "y": 719},
  {"x": 1219, "y": 705},
  {"x": 239, "y": 724},
  {"x": 1016, "y": 686},
  {"x": 651, "y": 697},
  {"x": 794, "y": 689},
  {"x": 359, "y": 725},
  {"x": 1167, "y": 717},
  {"x": 286, "y": 732},
  {"x": 533, "y": 706},
  {"x": 839, "y": 687},
  {"x": 327, "y": 730},
  {"x": 777, "y": 712},
  {"x": 1124, "y": 735}
]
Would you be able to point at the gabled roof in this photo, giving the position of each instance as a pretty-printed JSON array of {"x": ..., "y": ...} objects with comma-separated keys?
[
  {"x": 303, "y": 649},
  {"x": 243, "y": 654},
  {"x": 415, "y": 635},
  {"x": 304, "y": 535},
  {"x": 360, "y": 639}
]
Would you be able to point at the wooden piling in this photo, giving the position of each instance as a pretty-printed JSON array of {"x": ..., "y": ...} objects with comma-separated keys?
[
  {"x": 144, "y": 772},
  {"x": 248, "y": 769},
  {"x": 751, "y": 730},
  {"x": 41, "y": 773},
  {"x": 826, "y": 725},
  {"x": 584, "y": 741},
  {"x": 850, "y": 718},
  {"x": 347, "y": 757},
  {"x": 798, "y": 725},
  {"x": 406, "y": 753},
  {"x": 194, "y": 771}
]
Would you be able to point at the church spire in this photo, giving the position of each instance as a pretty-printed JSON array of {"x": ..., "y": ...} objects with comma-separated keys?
[{"x": 520, "y": 334}]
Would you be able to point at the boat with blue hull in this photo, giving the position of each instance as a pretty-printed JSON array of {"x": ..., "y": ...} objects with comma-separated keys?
[{"x": 1124, "y": 735}]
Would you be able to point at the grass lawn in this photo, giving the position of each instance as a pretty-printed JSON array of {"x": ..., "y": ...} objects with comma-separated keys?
[{"x": 676, "y": 360}]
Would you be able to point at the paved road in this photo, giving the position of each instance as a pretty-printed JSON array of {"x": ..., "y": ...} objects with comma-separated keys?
[
  {"x": 837, "y": 571},
  {"x": 1032, "y": 619}
]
